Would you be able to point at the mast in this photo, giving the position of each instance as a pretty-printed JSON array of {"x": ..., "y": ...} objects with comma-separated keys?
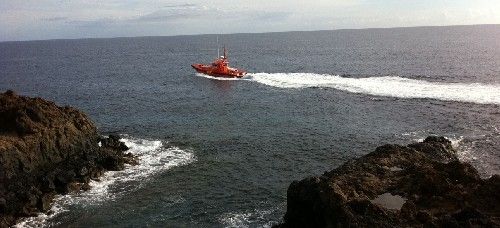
[
  {"x": 218, "y": 54},
  {"x": 225, "y": 52}
]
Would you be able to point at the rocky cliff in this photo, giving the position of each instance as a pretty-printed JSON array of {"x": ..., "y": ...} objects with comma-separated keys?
[
  {"x": 46, "y": 150},
  {"x": 419, "y": 185}
]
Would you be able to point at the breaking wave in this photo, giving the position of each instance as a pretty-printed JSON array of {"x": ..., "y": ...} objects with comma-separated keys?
[
  {"x": 244, "y": 219},
  {"x": 389, "y": 86},
  {"x": 153, "y": 157},
  {"x": 478, "y": 149}
]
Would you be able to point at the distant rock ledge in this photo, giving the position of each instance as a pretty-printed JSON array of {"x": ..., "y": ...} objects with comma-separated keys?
[
  {"x": 46, "y": 150},
  {"x": 419, "y": 185}
]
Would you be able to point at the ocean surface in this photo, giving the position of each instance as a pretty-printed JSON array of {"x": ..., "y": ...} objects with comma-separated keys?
[{"x": 221, "y": 153}]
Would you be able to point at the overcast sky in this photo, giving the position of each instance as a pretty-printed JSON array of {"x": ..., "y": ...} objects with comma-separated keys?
[{"x": 53, "y": 19}]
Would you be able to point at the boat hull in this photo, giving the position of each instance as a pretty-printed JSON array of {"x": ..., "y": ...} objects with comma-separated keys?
[{"x": 216, "y": 72}]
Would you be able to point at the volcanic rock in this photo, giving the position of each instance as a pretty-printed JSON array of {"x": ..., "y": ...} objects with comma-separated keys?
[
  {"x": 46, "y": 150},
  {"x": 419, "y": 185}
]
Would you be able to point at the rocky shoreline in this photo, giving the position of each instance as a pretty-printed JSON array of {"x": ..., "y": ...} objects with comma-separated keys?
[
  {"x": 419, "y": 185},
  {"x": 47, "y": 150}
]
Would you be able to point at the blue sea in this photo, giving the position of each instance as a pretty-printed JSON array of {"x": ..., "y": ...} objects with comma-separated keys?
[{"x": 222, "y": 153}]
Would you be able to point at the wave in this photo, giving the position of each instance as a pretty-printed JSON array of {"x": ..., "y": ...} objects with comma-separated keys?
[
  {"x": 388, "y": 86},
  {"x": 153, "y": 157},
  {"x": 477, "y": 149},
  {"x": 248, "y": 218}
]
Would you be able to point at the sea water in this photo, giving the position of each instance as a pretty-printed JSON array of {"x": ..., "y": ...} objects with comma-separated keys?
[{"x": 221, "y": 153}]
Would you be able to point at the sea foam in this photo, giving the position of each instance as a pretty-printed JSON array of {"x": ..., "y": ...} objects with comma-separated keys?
[
  {"x": 389, "y": 86},
  {"x": 244, "y": 219},
  {"x": 153, "y": 157}
]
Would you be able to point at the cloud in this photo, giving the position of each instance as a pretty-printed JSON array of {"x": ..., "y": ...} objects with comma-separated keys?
[
  {"x": 180, "y": 5},
  {"x": 56, "y": 19},
  {"x": 176, "y": 12},
  {"x": 167, "y": 14},
  {"x": 40, "y": 19},
  {"x": 273, "y": 16},
  {"x": 100, "y": 22}
]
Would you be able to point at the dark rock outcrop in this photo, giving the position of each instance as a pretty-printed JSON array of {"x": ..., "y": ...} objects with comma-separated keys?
[
  {"x": 46, "y": 150},
  {"x": 419, "y": 185}
]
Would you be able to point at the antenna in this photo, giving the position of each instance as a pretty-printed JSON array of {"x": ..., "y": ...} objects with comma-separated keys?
[{"x": 218, "y": 54}]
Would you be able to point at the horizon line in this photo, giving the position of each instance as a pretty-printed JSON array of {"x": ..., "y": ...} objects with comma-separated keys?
[{"x": 239, "y": 33}]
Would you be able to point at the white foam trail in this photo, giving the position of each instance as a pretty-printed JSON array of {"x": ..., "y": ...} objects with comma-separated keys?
[
  {"x": 469, "y": 149},
  {"x": 42, "y": 218},
  {"x": 221, "y": 78},
  {"x": 153, "y": 157},
  {"x": 472, "y": 150},
  {"x": 246, "y": 218},
  {"x": 389, "y": 86},
  {"x": 456, "y": 141}
]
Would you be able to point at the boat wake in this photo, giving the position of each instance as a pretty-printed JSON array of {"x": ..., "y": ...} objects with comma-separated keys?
[
  {"x": 153, "y": 157},
  {"x": 388, "y": 86}
]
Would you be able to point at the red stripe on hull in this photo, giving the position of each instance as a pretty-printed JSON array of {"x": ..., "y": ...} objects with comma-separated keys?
[{"x": 208, "y": 70}]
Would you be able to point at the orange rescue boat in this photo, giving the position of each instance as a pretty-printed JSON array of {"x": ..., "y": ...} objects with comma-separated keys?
[{"x": 219, "y": 68}]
